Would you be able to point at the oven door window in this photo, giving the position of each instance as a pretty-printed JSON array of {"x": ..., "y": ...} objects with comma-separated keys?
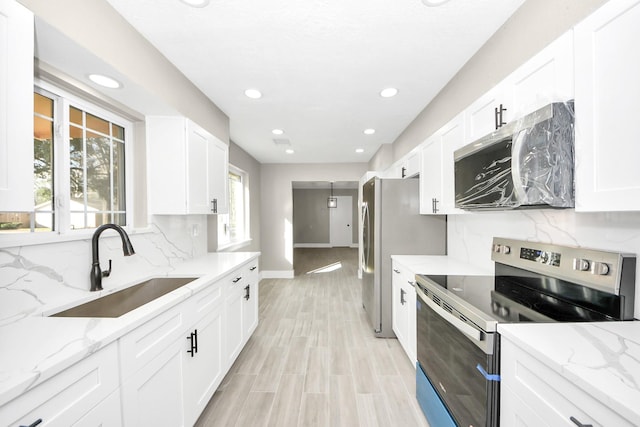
[
  {"x": 483, "y": 179},
  {"x": 449, "y": 360}
]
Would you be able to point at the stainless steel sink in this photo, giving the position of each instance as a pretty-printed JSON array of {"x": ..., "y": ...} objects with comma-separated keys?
[{"x": 122, "y": 302}]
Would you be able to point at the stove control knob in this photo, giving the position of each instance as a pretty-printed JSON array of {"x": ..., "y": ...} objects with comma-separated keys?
[
  {"x": 599, "y": 268},
  {"x": 506, "y": 249},
  {"x": 581, "y": 264},
  {"x": 504, "y": 312},
  {"x": 496, "y": 248}
]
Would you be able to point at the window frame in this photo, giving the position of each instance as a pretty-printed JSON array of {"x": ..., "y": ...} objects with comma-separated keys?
[
  {"x": 62, "y": 231},
  {"x": 246, "y": 238}
]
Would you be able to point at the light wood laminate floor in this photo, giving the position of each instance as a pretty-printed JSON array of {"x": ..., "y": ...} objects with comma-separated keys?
[{"x": 313, "y": 360}]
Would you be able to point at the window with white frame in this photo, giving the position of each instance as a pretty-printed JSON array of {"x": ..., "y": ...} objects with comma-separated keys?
[
  {"x": 233, "y": 228},
  {"x": 78, "y": 165}
]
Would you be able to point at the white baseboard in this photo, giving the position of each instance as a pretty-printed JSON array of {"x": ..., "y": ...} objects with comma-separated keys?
[
  {"x": 277, "y": 274},
  {"x": 312, "y": 245},
  {"x": 319, "y": 245}
]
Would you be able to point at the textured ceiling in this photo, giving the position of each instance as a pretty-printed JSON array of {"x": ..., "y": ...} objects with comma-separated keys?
[{"x": 320, "y": 64}]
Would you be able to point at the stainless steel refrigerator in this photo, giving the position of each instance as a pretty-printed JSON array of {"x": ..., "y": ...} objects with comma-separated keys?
[{"x": 392, "y": 225}]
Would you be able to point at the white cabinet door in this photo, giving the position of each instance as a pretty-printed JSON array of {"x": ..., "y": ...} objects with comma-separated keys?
[
  {"x": 203, "y": 368},
  {"x": 198, "y": 201},
  {"x": 547, "y": 77},
  {"x": 233, "y": 321},
  {"x": 399, "y": 318},
  {"x": 537, "y": 395},
  {"x": 187, "y": 168},
  {"x": 67, "y": 397},
  {"x": 249, "y": 309},
  {"x": 431, "y": 176},
  {"x": 107, "y": 413},
  {"x": 481, "y": 116},
  {"x": 218, "y": 175},
  {"x": 154, "y": 395},
  {"x": 452, "y": 138},
  {"x": 16, "y": 107},
  {"x": 411, "y": 165},
  {"x": 607, "y": 61}
]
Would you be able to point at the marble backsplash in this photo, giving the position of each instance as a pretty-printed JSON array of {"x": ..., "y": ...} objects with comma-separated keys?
[
  {"x": 470, "y": 235},
  {"x": 38, "y": 278}
]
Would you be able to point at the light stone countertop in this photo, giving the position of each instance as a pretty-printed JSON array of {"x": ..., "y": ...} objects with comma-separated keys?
[
  {"x": 36, "y": 348},
  {"x": 439, "y": 264},
  {"x": 603, "y": 359}
]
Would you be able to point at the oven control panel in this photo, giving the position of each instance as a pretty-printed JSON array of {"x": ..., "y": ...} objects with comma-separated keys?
[
  {"x": 598, "y": 269},
  {"x": 544, "y": 257}
]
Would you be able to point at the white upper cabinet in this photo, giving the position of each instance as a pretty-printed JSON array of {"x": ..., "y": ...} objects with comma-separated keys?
[
  {"x": 16, "y": 107},
  {"x": 187, "y": 168},
  {"x": 431, "y": 175},
  {"x": 437, "y": 178},
  {"x": 607, "y": 85},
  {"x": 547, "y": 77}
]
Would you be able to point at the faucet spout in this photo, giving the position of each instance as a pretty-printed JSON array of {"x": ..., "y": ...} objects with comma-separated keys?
[{"x": 96, "y": 273}]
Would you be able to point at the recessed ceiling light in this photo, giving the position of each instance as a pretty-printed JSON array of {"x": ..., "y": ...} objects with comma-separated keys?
[
  {"x": 389, "y": 92},
  {"x": 104, "y": 81},
  {"x": 196, "y": 3},
  {"x": 369, "y": 131},
  {"x": 289, "y": 151},
  {"x": 277, "y": 131},
  {"x": 359, "y": 150},
  {"x": 253, "y": 93}
]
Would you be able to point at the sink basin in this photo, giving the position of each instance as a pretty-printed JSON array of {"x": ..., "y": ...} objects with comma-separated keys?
[{"x": 122, "y": 302}]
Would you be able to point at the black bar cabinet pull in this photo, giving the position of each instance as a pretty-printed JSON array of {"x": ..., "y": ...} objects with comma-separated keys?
[
  {"x": 237, "y": 279},
  {"x": 194, "y": 343},
  {"x": 247, "y": 294},
  {"x": 35, "y": 423},
  {"x": 578, "y": 423},
  {"x": 402, "y": 300},
  {"x": 404, "y": 171},
  {"x": 253, "y": 268}
]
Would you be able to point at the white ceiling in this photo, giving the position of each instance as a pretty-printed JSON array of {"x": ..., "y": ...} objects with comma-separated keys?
[{"x": 320, "y": 64}]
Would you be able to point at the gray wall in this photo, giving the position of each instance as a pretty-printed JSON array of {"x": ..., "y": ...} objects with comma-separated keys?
[
  {"x": 534, "y": 25},
  {"x": 276, "y": 233},
  {"x": 311, "y": 216}
]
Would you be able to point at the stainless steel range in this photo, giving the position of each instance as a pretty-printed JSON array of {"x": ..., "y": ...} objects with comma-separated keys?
[{"x": 458, "y": 374}]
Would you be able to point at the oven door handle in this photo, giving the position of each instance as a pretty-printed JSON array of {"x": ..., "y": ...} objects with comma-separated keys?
[{"x": 460, "y": 325}]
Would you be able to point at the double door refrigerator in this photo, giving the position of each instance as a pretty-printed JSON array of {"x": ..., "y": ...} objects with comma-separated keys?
[{"x": 392, "y": 225}]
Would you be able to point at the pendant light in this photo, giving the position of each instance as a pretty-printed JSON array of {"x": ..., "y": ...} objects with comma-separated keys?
[{"x": 332, "y": 202}]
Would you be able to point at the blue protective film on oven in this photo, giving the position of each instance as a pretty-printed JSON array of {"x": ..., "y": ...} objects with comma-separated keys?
[
  {"x": 489, "y": 377},
  {"x": 434, "y": 410}
]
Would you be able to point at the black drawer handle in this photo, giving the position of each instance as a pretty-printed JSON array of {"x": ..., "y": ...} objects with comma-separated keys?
[
  {"x": 237, "y": 279},
  {"x": 395, "y": 270},
  {"x": 578, "y": 423},
  {"x": 35, "y": 423},
  {"x": 253, "y": 268}
]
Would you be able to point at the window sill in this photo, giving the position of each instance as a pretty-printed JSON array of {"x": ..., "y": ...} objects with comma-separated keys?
[
  {"x": 233, "y": 246},
  {"x": 11, "y": 240}
]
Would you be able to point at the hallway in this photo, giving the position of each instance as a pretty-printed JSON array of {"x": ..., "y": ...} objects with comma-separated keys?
[{"x": 313, "y": 360}]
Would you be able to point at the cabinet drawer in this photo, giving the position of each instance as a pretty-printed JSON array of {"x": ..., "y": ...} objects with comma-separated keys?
[
  {"x": 552, "y": 397},
  {"x": 141, "y": 345},
  {"x": 68, "y": 396}
]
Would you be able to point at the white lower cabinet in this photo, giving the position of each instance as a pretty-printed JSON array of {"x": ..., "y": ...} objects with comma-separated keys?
[
  {"x": 203, "y": 368},
  {"x": 403, "y": 308},
  {"x": 83, "y": 391},
  {"x": 154, "y": 395},
  {"x": 534, "y": 395},
  {"x": 173, "y": 364}
]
